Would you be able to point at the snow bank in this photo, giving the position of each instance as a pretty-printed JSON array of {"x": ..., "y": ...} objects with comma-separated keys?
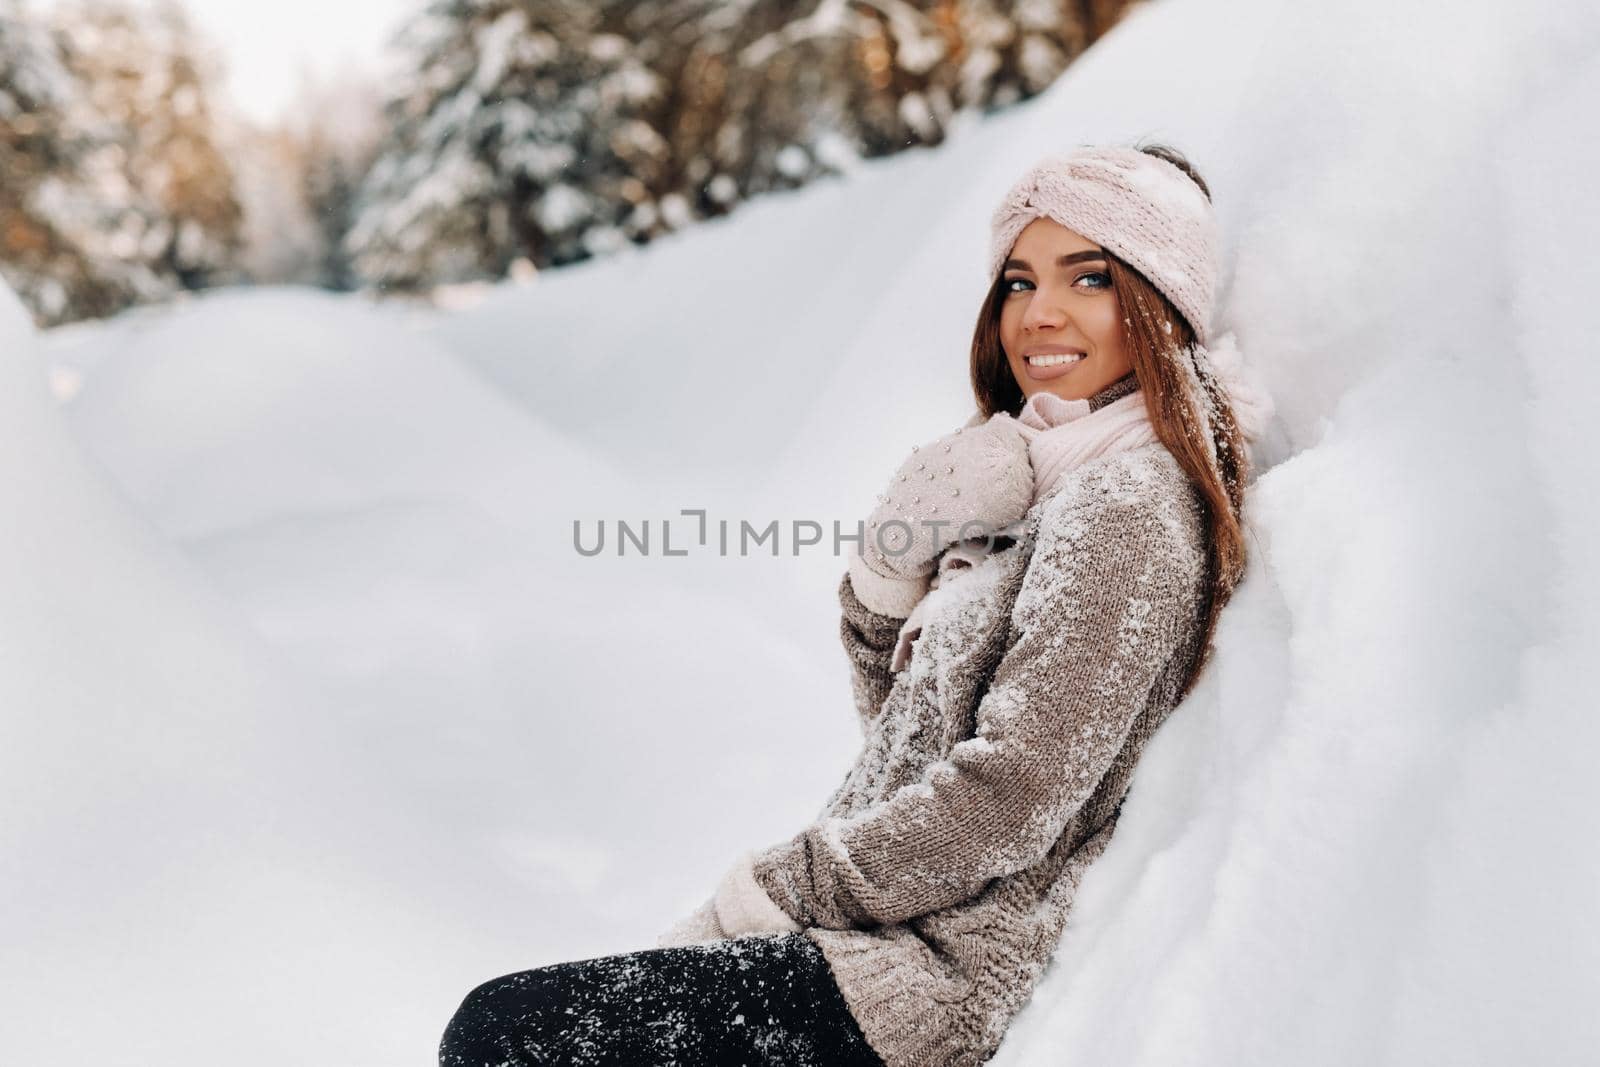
[
  {"x": 458, "y": 693},
  {"x": 177, "y": 837},
  {"x": 350, "y": 599},
  {"x": 1370, "y": 836}
]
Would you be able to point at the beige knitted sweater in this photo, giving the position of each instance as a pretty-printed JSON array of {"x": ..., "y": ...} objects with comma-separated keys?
[{"x": 938, "y": 877}]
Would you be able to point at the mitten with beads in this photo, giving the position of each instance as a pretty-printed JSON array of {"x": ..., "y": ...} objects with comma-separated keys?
[
  {"x": 699, "y": 925},
  {"x": 976, "y": 481}
]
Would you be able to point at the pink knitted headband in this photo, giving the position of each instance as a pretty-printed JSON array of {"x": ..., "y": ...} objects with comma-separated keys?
[{"x": 1138, "y": 206}]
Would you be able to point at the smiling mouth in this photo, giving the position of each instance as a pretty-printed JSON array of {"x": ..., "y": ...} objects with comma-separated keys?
[
  {"x": 1048, "y": 366},
  {"x": 1054, "y": 359}
]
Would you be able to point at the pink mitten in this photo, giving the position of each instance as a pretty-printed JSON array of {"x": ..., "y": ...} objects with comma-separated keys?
[
  {"x": 973, "y": 482},
  {"x": 743, "y": 906},
  {"x": 699, "y": 925}
]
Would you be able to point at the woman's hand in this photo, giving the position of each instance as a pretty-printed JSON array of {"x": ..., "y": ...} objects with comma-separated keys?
[{"x": 977, "y": 479}]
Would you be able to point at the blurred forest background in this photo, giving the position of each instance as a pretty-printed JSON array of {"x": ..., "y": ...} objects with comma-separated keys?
[{"x": 504, "y": 137}]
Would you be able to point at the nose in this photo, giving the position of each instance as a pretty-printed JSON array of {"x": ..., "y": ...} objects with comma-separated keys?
[{"x": 1045, "y": 311}]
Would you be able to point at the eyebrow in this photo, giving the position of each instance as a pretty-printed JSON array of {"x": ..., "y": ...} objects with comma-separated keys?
[{"x": 1061, "y": 261}]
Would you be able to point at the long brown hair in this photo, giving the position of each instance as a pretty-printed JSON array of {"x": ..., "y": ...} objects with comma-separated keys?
[{"x": 1204, "y": 439}]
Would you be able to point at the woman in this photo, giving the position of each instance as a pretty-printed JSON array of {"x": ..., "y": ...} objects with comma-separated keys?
[{"x": 1033, "y": 595}]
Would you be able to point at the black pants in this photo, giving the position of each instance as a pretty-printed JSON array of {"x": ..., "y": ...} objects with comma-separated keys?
[{"x": 754, "y": 1000}]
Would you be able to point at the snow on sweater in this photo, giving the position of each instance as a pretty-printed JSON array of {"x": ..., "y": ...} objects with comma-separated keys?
[
  {"x": 938, "y": 877},
  {"x": 1061, "y": 434}
]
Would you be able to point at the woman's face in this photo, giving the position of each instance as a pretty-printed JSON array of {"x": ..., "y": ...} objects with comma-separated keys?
[{"x": 1060, "y": 323}]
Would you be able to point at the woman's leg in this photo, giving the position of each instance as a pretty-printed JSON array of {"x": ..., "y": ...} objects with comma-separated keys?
[{"x": 742, "y": 1002}]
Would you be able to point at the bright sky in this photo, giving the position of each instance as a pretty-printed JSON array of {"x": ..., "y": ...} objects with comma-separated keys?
[{"x": 268, "y": 46}]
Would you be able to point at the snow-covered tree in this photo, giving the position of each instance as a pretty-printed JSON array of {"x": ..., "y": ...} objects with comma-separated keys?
[
  {"x": 330, "y": 182},
  {"x": 115, "y": 190},
  {"x": 774, "y": 92},
  {"x": 64, "y": 196},
  {"x": 300, "y": 181},
  {"x": 553, "y": 129},
  {"x": 541, "y": 131},
  {"x": 283, "y": 243},
  {"x": 518, "y": 135},
  {"x": 143, "y": 73}
]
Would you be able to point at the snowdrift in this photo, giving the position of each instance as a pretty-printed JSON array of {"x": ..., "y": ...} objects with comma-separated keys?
[{"x": 315, "y": 717}]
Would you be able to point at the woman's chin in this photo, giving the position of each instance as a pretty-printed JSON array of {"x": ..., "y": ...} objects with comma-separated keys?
[{"x": 1064, "y": 389}]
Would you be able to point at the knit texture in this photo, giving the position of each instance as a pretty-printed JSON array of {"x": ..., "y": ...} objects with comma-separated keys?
[
  {"x": 1144, "y": 209},
  {"x": 938, "y": 877},
  {"x": 974, "y": 479},
  {"x": 1059, "y": 436}
]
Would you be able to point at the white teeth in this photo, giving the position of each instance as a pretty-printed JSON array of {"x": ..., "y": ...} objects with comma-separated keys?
[{"x": 1053, "y": 360}]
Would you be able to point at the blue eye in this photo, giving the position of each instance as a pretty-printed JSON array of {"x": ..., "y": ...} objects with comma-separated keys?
[{"x": 1103, "y": 283}]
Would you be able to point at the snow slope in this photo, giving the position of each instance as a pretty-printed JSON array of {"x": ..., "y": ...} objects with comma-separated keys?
[
  {"x": 324, "y": 720},
  {"x": 184, "y": 859}
]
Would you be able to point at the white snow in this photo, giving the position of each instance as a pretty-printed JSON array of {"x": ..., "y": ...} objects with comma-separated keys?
[{"x": 315, "y": 718}]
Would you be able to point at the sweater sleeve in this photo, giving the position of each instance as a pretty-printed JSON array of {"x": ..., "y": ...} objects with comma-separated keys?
[
  {"x": 869, "y": 641},
  {"x": 1111, "y": 590}
]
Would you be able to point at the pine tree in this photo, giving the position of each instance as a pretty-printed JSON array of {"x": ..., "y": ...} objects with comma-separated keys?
[
  {"x": 541, "y": 131},
  {"x": 337, "y": 124},
  {"x": 552, "y": 129},
  {"x": 330, "y": 183},
  {"x": 298, "y": 179},
  {"x": 63, "y": 197},
  {"x": 520, "y": 138},
  {"x": 115, "y": 189},
  {"x": 768, "y": 94},
  {"x": 282, "y": 242},
  {"x": 142, "y": 74}
]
